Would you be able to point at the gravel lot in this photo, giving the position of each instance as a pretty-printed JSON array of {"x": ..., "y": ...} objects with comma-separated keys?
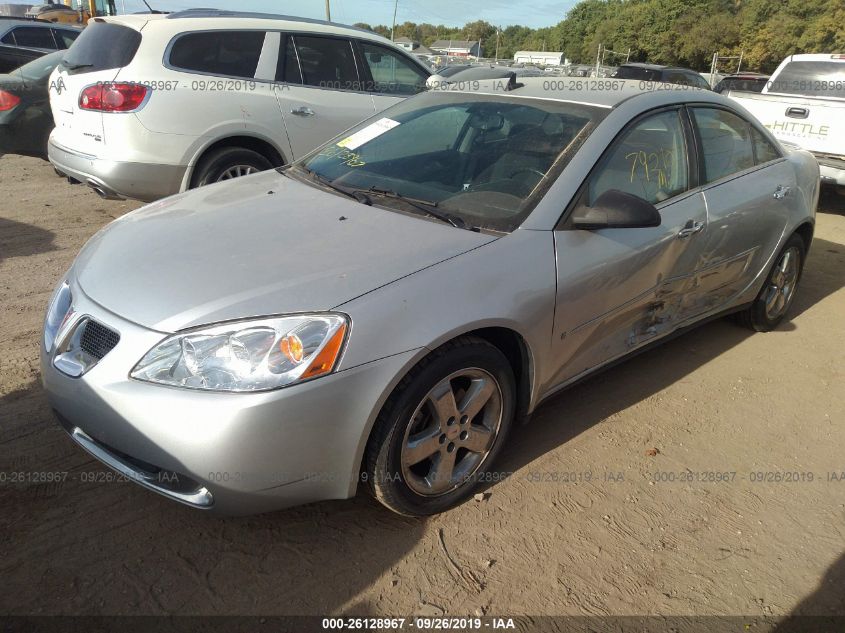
[{"x": 720, "y": 399}]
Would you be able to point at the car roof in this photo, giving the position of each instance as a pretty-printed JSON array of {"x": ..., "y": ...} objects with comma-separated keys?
[
  {"x": 7, "y": 24},
  {"x": 643, "y": 65},
  {"x": 566, "y": 90},
  {"x": 216, "y": 19}
]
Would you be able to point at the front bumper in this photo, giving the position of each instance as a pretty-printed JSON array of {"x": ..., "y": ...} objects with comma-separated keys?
[
  {"x": 117, "y": 179},
  {"x": 227, "y": 453}
]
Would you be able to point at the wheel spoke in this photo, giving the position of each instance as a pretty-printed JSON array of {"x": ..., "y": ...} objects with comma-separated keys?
[
  {"x": 440, "y": 478},
  {"x": 479, "y": 440},
  {"x": 421, "y": 446},
  {"x": 771, "y": 298},
  {"x": 479, "y": 393},
  {"x": 443, "y": 402},
  {"x": 785, "y": 262}
]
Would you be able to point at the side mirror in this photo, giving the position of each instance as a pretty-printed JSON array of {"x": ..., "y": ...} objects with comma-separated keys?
[{"x": 616, "y": 209}]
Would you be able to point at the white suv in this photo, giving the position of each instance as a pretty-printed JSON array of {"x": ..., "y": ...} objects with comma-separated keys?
[{"x": 150, "y": 105}]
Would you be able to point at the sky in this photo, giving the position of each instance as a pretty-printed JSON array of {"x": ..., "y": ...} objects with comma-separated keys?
[{"x": 449, "y": 12}]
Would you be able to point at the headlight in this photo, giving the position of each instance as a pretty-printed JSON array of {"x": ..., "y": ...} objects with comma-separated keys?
[
  {"x": 57, "y": 314},
  {"x": 250, "y": 355}
]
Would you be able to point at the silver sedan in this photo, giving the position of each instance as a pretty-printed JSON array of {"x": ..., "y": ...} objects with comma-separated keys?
[{"x": 379, "y": 313}]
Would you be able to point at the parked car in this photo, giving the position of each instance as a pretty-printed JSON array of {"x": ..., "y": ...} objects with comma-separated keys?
[
  {"x": 745, "y": 82},
  {"x": 25, "y": 117},
  {"x": 803, "y": 105},
  {"x": 213, "y": 95},
  {"x": 23, "y": 40},
  {"x": 659, "y": 73},
  {"x": 58, "y": 13},
  {"x": 382, "y": 310}
]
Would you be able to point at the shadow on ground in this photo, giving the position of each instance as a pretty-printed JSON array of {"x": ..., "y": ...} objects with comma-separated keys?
[{"x": 19, "y": 240}]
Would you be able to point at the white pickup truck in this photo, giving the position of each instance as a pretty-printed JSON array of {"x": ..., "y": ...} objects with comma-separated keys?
[{"x": 803, "y": 105}]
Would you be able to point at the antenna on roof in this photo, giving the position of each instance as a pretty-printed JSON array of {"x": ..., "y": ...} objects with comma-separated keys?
[{"x": 148, "y": 6}]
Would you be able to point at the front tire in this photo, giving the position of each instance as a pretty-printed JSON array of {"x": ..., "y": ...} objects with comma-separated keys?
[
  {"x": 227, "y": 163},
  {"x": 441, "y": 429},
  {"x": 772, "y": 304}
]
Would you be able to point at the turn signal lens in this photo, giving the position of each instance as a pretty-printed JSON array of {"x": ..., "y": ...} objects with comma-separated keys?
[
  {"x": 291, "y": 347},
  {"x": 325, "y": 361}
]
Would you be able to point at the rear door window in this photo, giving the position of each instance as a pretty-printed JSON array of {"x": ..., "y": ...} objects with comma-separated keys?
[
  {"x": 635, "y": 72},
  {"x": 327, "y": 62},
  {"x": 102, "y": 46},
  {"x": 391, "y": 72},
  {"x": 225, "y": 53},
  {"x": 65, "y": 37},
  {"x": 34, "y": 37},
  {"x": 287, "y": 68},
  {"x": 764, "y": 151},
  {"x": 725, "y": 142}
]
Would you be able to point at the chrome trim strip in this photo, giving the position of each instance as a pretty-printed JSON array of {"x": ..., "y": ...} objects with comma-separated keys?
[{"x": 202, "y": 498}]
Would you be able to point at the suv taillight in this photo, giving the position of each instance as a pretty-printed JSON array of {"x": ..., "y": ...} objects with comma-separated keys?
[
  {"x": 8, "y": 100},
  {"x": 112, "y": 97}
]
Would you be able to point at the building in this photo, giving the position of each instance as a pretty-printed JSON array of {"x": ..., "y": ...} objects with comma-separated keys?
[
  {"x": 13, "y": 10},
  {"x": 549, "y": 58},
  {"x": 412, "y": 47},
  {"x": 457, "y": 48}
]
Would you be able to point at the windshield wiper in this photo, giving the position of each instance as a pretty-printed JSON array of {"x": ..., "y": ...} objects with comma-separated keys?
[
  {"x": 75, "y": 66},
  {"x": 426, "y": 206},
  {"x": 326, "y": 182}
]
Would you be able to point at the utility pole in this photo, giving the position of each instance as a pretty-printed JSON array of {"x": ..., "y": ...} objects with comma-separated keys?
[
  {"x": 393, "y": 28},
  {"x": 498, "y": 30},
  {"x": 328, "y": 12}
]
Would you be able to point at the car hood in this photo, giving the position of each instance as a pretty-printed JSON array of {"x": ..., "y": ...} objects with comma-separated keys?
[{"x": 259, "y": 245}]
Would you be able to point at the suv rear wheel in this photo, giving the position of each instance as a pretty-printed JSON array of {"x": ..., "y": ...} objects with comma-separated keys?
[{"x": 227, "y": 163}]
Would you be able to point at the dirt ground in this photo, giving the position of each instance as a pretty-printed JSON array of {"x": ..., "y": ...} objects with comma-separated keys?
[{"x": 720, "y": 399}]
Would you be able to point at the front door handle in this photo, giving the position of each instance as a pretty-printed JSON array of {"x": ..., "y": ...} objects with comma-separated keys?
[
  {"x": 690, "y": 228},
  {"x": 302, "y": 111},
  {"x": 781, "y": 192}
]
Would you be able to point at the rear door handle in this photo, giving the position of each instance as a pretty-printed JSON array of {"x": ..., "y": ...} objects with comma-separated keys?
[
  {"x": 690, "y": 228},
  {"x": 781, "y": 192},
  {"x": 302, "y": 111}
]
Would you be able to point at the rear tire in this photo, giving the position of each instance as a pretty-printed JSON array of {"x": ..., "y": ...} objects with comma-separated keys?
[
  {"x": 777, "y": 294},
  {"x": 439, "y": 433},
  {"x": 226, "y": 163}
]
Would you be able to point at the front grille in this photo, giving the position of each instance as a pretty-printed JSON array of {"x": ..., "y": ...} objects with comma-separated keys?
[{"x": 98, "y": 340}]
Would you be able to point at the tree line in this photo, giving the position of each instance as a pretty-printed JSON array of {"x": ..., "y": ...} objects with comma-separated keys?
[{"x": 677, "y": 32}]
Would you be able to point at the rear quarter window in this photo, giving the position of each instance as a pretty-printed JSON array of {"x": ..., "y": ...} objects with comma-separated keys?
[
  {"x": 102, "y": 46},
  {"x": 225, "y": 53}
]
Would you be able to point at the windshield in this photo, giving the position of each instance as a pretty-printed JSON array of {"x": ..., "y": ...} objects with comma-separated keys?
[
  {"x": 811, "y": 79},
  {"x": 40, "y": 68},
  {"x": 483, "y": 158}
]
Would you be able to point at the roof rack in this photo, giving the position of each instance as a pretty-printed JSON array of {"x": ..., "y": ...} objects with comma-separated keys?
[
  {"x": 226, "y": 13},
  {"x": 24, "y": 19}
]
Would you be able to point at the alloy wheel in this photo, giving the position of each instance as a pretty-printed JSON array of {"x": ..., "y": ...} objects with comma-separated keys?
[
  {"x": 451, "y": 432},
  {"x": 782, "y": 284},
  {"x": 236, "y": 171}
]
